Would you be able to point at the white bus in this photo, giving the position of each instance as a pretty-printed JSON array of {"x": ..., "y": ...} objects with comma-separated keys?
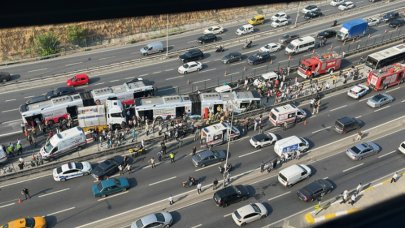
[{"x": 386, "y": 57}]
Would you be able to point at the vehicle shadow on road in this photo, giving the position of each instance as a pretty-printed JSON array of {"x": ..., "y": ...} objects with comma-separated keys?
[
  {"x": 94, "y": 80},
  {"x": 176, "y": 217},
  {"x": 51, "y": 221},
  {"x": 41, "y": 192}
]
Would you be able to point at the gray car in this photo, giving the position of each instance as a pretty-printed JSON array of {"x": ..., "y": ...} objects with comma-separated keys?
[
  {"x": 362, "y": 150},
  {"x": 379, "y": 100},
  {"x": 160, "y": 219},
  {"x": 208, "y": 157}
]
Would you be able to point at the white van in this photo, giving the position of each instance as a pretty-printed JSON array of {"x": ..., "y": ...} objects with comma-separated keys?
[
  {"x": 270, "y": 76},
  {"x": 244, "y": 29},
  {"x": 152, "y": 48},
  {"x": 3, "y": 155},
  {"x": 293, "y": 174},
  {"x": 286, "y": 114},
  {"x": 290, "y": 145},
  {"x": 63, "y": 143},
  {"x": 299, "y": 45},
  {"x": 401, "y": 147},
  {"x": 218, "y": 133}
]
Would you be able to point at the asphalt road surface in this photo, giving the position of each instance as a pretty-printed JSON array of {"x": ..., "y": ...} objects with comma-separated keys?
[{"x": 71, "y": 203}]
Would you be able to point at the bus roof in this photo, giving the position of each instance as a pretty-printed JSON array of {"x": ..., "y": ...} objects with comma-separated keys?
[
  {"x": 148, "y": 103},
  {"x": 52, "y": 102},
  {"x": 388, "y": 52}
]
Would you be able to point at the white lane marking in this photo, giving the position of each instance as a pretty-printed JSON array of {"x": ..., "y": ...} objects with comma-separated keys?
[
  {"x": 72, "y": 64},
  {"x": 106, "y": 58},
  {"x": 275, "y": 197},
  {"x": 51, "y": 193},
  {"x": 158, "y": 182},
  {"x": 237, "y": 63},
  {"x": 206, "y": 80},
  {"x": 357, "y": 117},
  {"x": 196, "y": 226},
  {"x": 11, "y": 121},
  {"x": 37, "y": 70},
  {"x": 361, "y": 100},
  {"x": 402, "y": 101},
  {"x": 117, "y": 80},
  {"x": 160, "y": 90},
  {"x": 353, "y": 167},
  {"x": 169, "y": 69},
  {"x": 112, "y": 196},
  {"x": 129, "y": 77},
  {"x": 207, "y": 70},
  {"x": 10, "y": 133},
  {"x": 227, "y": 215},
  {"x": 157, "y": 72},
  {"x": 206, "y": 167},
  {"x": 9, "y": 100},
  {"x": 2, "y": 206},
  {"x": 11, "y": 110},
  {"x": 390, "y": 90},
  {"x": 28, "y": 97},
  {"x": 321, "y": 129},
  {"x": 100, "y": 83},
  {"x": 253, "y": 152},
  {"x": 167, "y": 79},
  {"x": 382, "y": 108},
  {"x": 58, "y": 212},
  {"x": 232, "y": 74},
  {"x": 381, "y": 156},
  {"x": 337, "y": 108},
  {"x": 143, "y": 75},
  {"x": 286, "y": 60},
  {"x": 191, "y": 41},
  {"x": 325, "y": 178},
  {"x": 259, "y": 67}
]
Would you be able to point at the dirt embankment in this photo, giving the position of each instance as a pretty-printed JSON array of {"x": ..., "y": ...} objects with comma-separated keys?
[{"x": 17, "y": 43}]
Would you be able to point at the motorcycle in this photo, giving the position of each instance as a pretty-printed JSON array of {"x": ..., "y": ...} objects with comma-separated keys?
[
  {"x": 189, "y": 183},
  {"x": 223, "y": 170},
  {"x": 247, "y": 45},
  {"x": 220, "y": 49}
]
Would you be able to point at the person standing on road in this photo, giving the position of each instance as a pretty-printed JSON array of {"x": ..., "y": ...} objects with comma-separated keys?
[
  {"x": 255, "y": 126},
  {"x": 345, "y": 196},
  {"x": 194, "y": 150},
  {"x": 199, "y": 186},
  {"x": 25, "y": 192},
  {"x": 358, "y": 189},
  {"x": 152, "y": 162},
  {"x": 262, "y": 167},
  {"x": 353, "y": 199},
  {"x": 171, "y": 155},
  {"x": 395, "y": 177},
  {"x": 214, "y": 184},
  {"x": 171, "y": 201}
]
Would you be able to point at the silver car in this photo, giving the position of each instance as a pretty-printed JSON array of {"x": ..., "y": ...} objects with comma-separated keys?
[
  {"x": 160, "y": 219},
  {"x": 379, "y": 100},
  {"x": 362, "y": 150}
]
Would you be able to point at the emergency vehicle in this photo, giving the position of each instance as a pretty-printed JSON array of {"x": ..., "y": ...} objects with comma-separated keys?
[
  {"x": 218, "y": 134},
  {"x": 163, "y": 107},
  {"x": 286, "y": 114},
  {"x": 386, "y": 77},
  {"x": 319, "y": 64}
]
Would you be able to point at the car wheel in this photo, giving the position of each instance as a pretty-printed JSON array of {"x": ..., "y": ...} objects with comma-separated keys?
[
  {"x": 185, "y": 72},
  {"x": 79, "y": 148},
  {"x": 166, "y": 226},
  {"x": 86, "y": 174},
  {"x": 202, "y": 165},
  {"x": 125, "y": 189},
  {"x": 244, "y": 198},
  {"x": 264, "y": 216},
  {"x": 225, "y": 204},
  {"x": 63, "y": 179},
  {"x": 243, "y": 223},
  {"x": 103, "y": 196},
  {"x": 198, "y": 69},
  {"x": 4, "y": 80}
]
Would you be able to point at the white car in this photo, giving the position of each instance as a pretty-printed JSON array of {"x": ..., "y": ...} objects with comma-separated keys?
[
  {"x": 216, "y": 29},
  {"x": 278, "y": 16},
  {"x": 249, "y": 213},
  {"x": 223, "y": 89},
  {"x": 279, "y": 22},
  {"x": 71, "y": 170},
  {"x": 336, "y": 2},
  {"x": 358, "y": 91},
  {"x": 263, "y": 139},
  {"x": 190, "y": 67},
  {"x": 245, "y": 29},
  {"x": 270, "y": 76},
  {"x": 310, "y": 8},
  {"x": 271, "y": 47},
  {"x": 373, "y": 21},
  {"x": 346, "y": 5}
]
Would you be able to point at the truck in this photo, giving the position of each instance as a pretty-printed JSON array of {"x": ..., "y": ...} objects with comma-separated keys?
[
  {"x": 352, "y": 29},
  {"x": 290, "y": 145},
  {"x": 386, "y": 77},
  {"x": 319, "y": 64},
  {"x": 99, "y": 117}
]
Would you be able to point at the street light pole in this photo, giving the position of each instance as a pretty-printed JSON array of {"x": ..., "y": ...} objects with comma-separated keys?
[
  {"x": 298, "y": 13},
  {"x": 167, "y": 35},
  {"x": 227, "y": 150}
]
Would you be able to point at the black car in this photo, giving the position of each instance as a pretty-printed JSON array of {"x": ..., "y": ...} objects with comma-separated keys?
[
  {"x": 232, "y": 57},
  {"x": 36, "y": 99},
  {"x": 390, "y": 16},
  {"x": 60, "y": 91},
  {"x": 346, "y": 124},
  {"x": 260, "y": 57},
  {"x": 5, "y": 76},
  {"x": 287, "y": 38},
  {"x": 313, "y": 14},
  {"x": 315, "y": 190},
  {"x": 192, "y": 55},
  {"x": 207, "y": 38},
  {"x": 397, "y": 23},
  {"x": 107, "y": 168},
  {"x": 326, "y": 34},
  {"x": 230, "y": 194},
  {"x": 208, "y": 157}
]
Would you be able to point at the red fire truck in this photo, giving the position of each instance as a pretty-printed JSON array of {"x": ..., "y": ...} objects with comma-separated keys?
[
  {"x": 386, "y": 77},
  {"x": 319, "y": 64}
]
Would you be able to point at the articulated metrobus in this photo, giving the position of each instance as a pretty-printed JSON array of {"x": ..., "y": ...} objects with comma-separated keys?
[{"x": 386, "y": 57}]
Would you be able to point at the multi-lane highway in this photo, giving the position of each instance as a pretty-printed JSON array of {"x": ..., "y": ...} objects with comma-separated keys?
[
  {"x": 71, "y": 203},
  {"x": 169, "y": 81}
]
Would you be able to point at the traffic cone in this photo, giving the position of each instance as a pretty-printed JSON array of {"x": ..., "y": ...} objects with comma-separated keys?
[{"x": 19, "y": 200}]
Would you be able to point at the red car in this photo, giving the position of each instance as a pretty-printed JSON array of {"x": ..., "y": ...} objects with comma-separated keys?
[{"x": 78, "y": 80}]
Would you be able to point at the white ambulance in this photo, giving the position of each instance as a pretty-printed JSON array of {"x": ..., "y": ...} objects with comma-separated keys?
[
  {"x": 286, "y": 113},
  {"x": 63, "y": 143},
  {"x": 218, "y": 134}
]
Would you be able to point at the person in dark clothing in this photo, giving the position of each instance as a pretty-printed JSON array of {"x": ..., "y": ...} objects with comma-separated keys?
[
  {"x": 26, "y": 193},
  {"x": 214, "y": 184},
  {"x": 194, "y": 150}
]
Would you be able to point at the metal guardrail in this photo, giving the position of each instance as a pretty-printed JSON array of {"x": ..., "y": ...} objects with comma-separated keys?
[{"x": 207, "y": 47}]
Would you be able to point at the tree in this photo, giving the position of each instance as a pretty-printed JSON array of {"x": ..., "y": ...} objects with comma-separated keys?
[
  {"x": 46, "y": 44},
  {"x": 76, "y": 35}
]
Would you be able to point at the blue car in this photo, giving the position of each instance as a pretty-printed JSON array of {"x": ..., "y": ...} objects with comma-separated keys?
[{"x": 110, "y": 186}]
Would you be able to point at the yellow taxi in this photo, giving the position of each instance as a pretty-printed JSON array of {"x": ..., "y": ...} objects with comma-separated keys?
[
  {"x": 256, "y": 20},
  {"x": 31, "y": 222}
]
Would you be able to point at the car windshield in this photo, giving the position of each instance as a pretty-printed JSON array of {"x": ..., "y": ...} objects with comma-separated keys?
[
  {"x": 59, "y": 170},
  {"x": 255, "y": 208},
  {"x": 185, "y": 65},
  {"x": 48, "y": 147},
  {"x": 104, "y": 165},
  {"x": 29, "y": 222},
  {"x": 377, "y": 97},
  {"x": 139, "y": 223},
  {"x": 160, "y": 217},
  {"x": 290, "y": 46},
  {"x": 237, "y": 214},
  {"x": 355, "y": 149},
  {"x": 78, "y": 165},
  {"x": 242, "y": 28}
]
